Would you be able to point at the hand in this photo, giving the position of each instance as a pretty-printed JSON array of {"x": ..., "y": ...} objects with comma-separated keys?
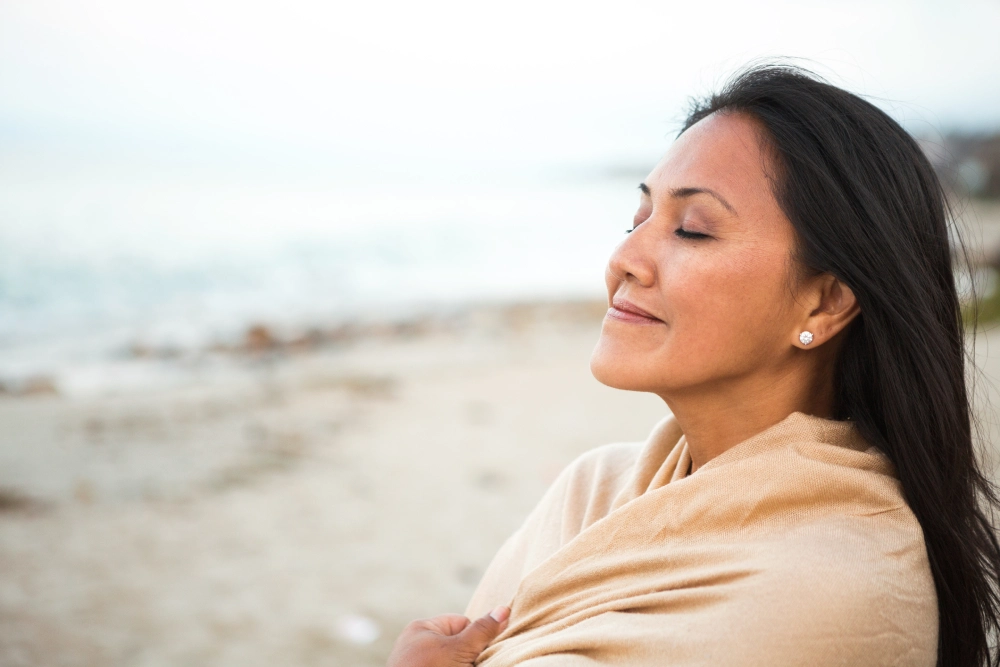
[{"x": 450, "y": 640}]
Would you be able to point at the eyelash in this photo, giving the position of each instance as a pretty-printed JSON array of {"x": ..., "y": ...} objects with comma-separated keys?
[
  {"x": 681, "y": 232},
  {"x": 684, "y": 234}
]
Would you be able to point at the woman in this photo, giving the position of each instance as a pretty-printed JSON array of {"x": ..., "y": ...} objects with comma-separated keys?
[{"x": 814, "y": 497}]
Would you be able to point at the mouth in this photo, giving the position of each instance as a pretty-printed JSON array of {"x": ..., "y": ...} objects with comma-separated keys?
[{"x": 627, "y": 311}]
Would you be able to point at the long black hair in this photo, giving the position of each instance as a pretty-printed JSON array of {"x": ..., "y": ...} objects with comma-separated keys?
[{"x": 869, "y": 209}]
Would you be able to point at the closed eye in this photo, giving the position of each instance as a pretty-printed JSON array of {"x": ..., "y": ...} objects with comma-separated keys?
[{"x": 685, "y": 234}]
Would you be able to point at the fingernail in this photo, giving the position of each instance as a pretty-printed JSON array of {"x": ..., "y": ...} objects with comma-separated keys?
[{"x": 500, "y": 614}]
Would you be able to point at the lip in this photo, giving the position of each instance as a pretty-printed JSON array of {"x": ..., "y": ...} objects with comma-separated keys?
[{"x": 627, "y": 311}]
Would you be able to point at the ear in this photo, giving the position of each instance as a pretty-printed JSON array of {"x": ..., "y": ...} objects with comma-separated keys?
[{"x": 830, "y": 305}]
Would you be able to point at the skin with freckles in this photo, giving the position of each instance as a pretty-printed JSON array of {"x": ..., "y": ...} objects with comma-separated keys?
[{"x": 706, "y": 302}]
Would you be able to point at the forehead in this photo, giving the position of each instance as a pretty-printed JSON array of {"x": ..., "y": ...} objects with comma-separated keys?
[{"x": 722, "y": 152}]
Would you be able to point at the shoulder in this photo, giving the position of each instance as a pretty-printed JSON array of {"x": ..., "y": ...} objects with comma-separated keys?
[
  {"x": 573, "y": 499},
  {"x": 851, "y": 558},
  {"x": 863, "y": 580},
  {"x": 605, "y": 461},
  {"x": 616, "y": 462},
  {"x": 585, "y": 490},
  {"x": 592, "y": 475}
]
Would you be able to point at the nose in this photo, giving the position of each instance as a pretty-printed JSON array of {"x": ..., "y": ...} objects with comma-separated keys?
[{"x": 632, "y": 261}]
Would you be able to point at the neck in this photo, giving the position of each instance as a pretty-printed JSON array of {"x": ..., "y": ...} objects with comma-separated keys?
[{"x": 715, "y": 419}]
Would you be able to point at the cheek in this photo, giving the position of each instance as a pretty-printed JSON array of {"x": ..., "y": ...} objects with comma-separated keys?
[
  {"x": 727, "y": 307},
  {"x": 726, "y": 314}
]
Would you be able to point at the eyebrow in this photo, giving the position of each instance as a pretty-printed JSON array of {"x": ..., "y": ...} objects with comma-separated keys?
[{"x": 682, "y": 193}]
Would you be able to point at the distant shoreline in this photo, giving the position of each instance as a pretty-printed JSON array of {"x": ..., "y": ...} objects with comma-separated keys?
[{"x": 265, "y": 341}]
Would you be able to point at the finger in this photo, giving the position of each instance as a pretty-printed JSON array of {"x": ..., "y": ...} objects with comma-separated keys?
[
  {"x": 481, "y": 632},
  {"x": 449, "y": 624}
]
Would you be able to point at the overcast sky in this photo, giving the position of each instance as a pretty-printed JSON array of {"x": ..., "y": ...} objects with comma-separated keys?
[{"x": 466, "y": 82}]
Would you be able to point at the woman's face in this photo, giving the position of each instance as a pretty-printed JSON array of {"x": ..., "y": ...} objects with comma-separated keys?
[{"x": 699, "y": 292}]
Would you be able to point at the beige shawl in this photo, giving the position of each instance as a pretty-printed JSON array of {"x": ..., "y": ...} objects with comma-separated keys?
[{"x": 795, "y": 547}]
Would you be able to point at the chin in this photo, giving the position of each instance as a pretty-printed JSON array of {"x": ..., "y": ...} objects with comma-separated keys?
[{"x": 617, "y": 369}]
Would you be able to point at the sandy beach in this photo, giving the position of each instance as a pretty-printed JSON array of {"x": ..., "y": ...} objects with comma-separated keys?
[
  {"x": 298, "y": 502},
  {"x": 298, "y": 300},
  {"x": 291, "y": 507}
]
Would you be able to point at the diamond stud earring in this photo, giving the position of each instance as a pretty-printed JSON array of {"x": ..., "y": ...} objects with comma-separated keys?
[{"x": 805, "y": 337}]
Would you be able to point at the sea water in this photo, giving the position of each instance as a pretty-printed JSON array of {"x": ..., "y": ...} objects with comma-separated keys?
[{"x": 94, "y": 263}]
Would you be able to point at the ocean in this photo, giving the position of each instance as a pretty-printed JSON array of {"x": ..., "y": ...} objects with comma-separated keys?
[{"x": 94, "y": 264}]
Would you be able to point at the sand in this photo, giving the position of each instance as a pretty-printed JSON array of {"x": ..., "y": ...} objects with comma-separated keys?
[{"x": 294, "y": 509}]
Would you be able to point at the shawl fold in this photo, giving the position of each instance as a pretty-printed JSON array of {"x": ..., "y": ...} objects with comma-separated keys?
[{"x": 794, "y": 547}]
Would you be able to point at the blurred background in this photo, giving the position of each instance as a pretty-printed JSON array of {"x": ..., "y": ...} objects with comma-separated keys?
[{"x": 297, "y": 299}]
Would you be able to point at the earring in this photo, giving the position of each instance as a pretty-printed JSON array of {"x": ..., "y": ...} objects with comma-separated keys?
[{"x": 805, "y": 337}]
